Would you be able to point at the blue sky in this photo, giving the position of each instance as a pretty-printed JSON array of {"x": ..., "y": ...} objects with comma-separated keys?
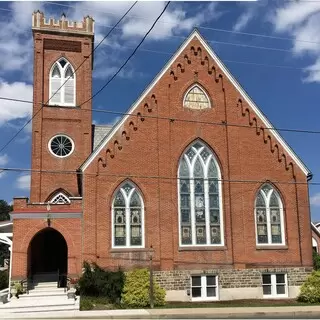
[{"x": 283, "y": 80}]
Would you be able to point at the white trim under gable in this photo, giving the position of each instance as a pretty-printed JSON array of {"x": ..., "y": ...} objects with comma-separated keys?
[{"x": 196, "y": 34}]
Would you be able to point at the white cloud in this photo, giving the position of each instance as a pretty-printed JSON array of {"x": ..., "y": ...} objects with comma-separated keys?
[
  {"x": 23, "y": 182},
  {"x": 315, "y": 199},
  {"x": 301, "y": 20},
  {"x": 243, "y": 20},
  {"x": 4, "y": 159},
  {"x": 12, "y": 110}
]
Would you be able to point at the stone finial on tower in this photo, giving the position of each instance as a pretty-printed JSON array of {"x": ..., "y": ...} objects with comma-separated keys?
[{"x": 39, "y": 22}]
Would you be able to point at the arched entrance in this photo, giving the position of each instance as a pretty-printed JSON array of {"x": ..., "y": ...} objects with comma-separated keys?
[{"x": 48, "y": 255}]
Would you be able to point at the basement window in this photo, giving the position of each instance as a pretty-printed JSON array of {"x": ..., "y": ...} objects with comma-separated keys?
[
  {"x": 204, "y": 287},
  {"x": 274, "y": 285}
]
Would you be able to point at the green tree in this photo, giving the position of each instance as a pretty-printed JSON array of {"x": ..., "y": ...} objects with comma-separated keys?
[{"x": 5, "y": 208}]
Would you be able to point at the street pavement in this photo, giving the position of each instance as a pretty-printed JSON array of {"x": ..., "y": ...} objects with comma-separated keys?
[{"x": 293, "y": 312}]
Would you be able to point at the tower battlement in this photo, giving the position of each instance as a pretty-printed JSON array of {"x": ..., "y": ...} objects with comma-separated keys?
[{"x": 40, "y": 22}]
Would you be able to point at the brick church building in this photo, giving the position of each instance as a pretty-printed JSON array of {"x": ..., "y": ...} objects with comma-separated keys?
[{"x": 195, "y": 176}]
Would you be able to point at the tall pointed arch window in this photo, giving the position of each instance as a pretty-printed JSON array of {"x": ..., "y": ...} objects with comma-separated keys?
[
  {"x": 62, "y": 86},
  {"x": 269, "y": 217},
  {"x": 127, "y": 217},
  {"x": 196, "y": 98},
  {"x": 200, "y": 197}
]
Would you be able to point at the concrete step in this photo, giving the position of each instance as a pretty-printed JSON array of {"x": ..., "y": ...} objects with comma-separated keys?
[
  {"x": 36, "y": 285},
  {"x": 39, "y": 293}
]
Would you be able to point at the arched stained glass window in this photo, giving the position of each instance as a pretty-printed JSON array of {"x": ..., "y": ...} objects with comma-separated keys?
[
  {"x": 60, "y": 198},
  {"x": 269, "y": 216},
  {"x": 62, "y": 84},
  {"x": 196, "y": 98},
  {"x": 127, "y": 217},
  {"x": 200, "y": 197}
]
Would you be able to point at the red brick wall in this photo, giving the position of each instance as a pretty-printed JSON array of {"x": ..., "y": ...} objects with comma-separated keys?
[
  {"x": 25, "y": 229},
  {"x": 74, "y": 122},
  {"x": 154, "y": 150}
]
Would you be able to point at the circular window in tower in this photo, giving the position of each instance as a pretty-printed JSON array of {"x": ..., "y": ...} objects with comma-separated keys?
[{"x": 61, "y": 146}]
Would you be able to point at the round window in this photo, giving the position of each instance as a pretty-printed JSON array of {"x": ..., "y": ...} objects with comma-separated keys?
[{"x": 61, "y": 146}]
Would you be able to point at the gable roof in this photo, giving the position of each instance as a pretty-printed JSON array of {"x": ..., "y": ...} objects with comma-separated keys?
[{"x": 255, "y": 108}]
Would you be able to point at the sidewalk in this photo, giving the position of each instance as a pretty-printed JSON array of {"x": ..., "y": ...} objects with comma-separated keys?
[{"x": 296, "y": 312}]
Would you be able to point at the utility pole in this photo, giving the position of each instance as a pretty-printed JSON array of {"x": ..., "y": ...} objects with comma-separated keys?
[{"x": 151, "y": 298}]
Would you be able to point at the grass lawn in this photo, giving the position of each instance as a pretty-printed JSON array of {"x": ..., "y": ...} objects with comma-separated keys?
[{"x": 100, "y": 303}]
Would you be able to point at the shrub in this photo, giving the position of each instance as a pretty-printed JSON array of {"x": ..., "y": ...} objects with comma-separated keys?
[
  {"x": 85, "y": 304},
  {"x": 136, "y": 290},
  {"x": 316, "y": 260},
  {"x": 98, "y": 282},
  {"x": 4, "y": 279},
  {"x": 310, "y": 290}
]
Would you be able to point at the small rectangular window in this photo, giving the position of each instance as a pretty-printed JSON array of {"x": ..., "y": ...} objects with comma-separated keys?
[
  {"x": 274, "y": 285},
  {"x": 204, "y": 287}
]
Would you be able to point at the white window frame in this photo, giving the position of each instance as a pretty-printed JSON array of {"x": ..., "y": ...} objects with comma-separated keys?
[
  {"x": 204, "y": 286},
  {"x": 267, "y": 202},
  {"x": 57, "y": 196},
  {"x": 62, "y": 83},
  {"x": 203, "y": 90},
  {"x": 206, "y": 193},
  {"x": 274, "y": 286},
  {"x": 61, "y": 135},
  {"x": 127, "y": 199}
]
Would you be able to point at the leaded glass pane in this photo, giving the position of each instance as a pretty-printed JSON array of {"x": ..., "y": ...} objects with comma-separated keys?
[
  {"x": 197, "y": 145},
  {"x": 190, "y": 154},
  {"x": 135, "y": 238},
  {"x": 276, "y": 233},
  {"x": 200, "y": 216},
  {"x": 215, "y": 234},
  {"x": 204, "y": 154},
  {"x": 127, "y": 188},
  {"x": 119, "y": 216},
  {"x": 262, "y": 233},
  {"x": 62, "y": 63},
  {"x": 135, "y": 200},
  {"x": 212, "y": 170},
  {"x": 69, "y": 73},
  {"x": 260, "y": 201},
  {"x": 266, "y": 188},
  {"x": 275, "y": 215},
  {"x": 184, "y": 169},
  {"x": 261, "y": 216},
  {"x": 214, "y": 201},
  {"x": 135, "y": 216},
  {"x": 198, "y": 186},
  {"x": 56, "y": 72},
  {"x": 185, "y": 216},
  {"x": 198, "y": 170},
  {"x": 201, "y": 234},
  {"x": 274, "y": 202},
  {"x": 214, "y": 216},
  {"x": 184, "y": 186},
  {"x": 119, "y": 200},
  {"x": 120, "y": 235},
  {"x": 185, "y": 201},
  {"x": 186, "y": 235},
  {"x": 213, "y": 186}
]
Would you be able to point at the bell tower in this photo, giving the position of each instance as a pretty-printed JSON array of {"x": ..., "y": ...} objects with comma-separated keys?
[{"x": 62, "y": 123}]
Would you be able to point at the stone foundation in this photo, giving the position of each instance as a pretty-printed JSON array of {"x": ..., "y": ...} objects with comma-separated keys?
[{"x": 232, "y": 283}]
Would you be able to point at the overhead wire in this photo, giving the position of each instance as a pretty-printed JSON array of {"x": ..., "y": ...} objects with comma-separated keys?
[
  {"x": 85, "y": 59},
  {"x": 171, "y": 119}
]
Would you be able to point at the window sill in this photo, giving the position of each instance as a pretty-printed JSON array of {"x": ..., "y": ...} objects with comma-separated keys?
[
  {"x": 128, "y": 250},
  {"x": 272, "y": 247},
  {"x": 205, "y": 248}
]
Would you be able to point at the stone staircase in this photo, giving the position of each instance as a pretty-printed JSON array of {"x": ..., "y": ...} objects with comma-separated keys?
[{"x": 43, "y": 296}]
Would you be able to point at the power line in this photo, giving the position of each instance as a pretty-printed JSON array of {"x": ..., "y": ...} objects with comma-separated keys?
[
  {"x": 131, "y": 55},
  {"x": 151, "y": 176},
  {"x": 172, "y": 119},
  {"x": 85, "y": 59},
  {"x": 85, "y": 9}
]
